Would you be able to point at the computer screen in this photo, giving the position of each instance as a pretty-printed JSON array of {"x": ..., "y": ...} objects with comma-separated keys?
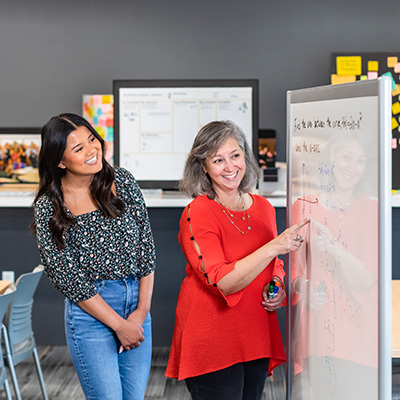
[{"x": 156, "y": 121}]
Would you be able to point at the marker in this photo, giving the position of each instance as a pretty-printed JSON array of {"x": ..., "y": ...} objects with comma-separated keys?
[{"x": 273, "y": 289}]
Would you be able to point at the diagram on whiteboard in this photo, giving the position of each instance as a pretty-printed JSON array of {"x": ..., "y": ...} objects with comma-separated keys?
[{"x": 335, "y": 274}]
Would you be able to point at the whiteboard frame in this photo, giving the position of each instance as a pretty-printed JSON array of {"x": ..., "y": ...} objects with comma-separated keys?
[{"x": 382, "y": 88}]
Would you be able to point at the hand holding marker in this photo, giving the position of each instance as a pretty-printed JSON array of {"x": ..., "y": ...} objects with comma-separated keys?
[{"x": 273, "y": 288}]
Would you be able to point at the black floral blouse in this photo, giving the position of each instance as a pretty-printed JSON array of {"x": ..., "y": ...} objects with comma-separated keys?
[{"x": 98, "y": 247}]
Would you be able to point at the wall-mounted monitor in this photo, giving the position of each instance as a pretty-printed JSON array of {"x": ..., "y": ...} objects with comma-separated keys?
[{"x": 155, "y": 122}]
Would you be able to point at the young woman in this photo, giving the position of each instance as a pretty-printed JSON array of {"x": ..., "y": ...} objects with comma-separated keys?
[
  {"x": 227, "y": 338},
  {"x": 96, "y": 244}
]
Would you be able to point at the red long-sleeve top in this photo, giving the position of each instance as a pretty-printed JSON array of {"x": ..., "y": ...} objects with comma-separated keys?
[{"x": 213, "y": 331}]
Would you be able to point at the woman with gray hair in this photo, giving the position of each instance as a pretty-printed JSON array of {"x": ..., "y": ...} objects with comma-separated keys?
[{"x": 227, "y": 338}]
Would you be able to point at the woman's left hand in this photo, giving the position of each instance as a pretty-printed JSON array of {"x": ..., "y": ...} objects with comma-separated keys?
[{"x": 276, "y": 302}]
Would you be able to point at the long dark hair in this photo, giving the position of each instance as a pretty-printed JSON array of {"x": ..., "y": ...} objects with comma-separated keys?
[{"x": 54, "y": 136}]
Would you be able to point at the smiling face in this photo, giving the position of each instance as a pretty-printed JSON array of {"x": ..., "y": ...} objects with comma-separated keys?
[
  {"x": 226, "y": 167},
  {"x": 350, "y": 162},
  {"x": 83, "y": 153}
]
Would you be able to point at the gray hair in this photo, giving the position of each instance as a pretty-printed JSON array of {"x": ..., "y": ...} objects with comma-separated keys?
[{"x": 210, "y": 138}]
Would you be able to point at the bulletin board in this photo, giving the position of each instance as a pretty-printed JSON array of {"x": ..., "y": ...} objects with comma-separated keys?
[
  {"x": 350, "y": 67},
  {"x": 339, "y": 282},
  {"x": 98, "y": 110}
]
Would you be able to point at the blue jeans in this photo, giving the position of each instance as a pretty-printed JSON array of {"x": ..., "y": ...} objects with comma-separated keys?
[
  {"x": 105, "y": 374},
  {"x": 242, "y": 381}
]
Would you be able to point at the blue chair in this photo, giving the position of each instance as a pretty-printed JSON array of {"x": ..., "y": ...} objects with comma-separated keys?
[
  {"x": 4, "y": 303},
  {"x": 19, "y": 340}
]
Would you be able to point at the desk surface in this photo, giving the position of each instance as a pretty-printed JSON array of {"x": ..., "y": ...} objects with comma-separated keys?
[
  {"x": 396, "y": 318},
  {"x": 4, "y": 285}
]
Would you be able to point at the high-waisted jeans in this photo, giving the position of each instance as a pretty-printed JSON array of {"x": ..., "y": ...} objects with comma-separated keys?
[{"x": 104, "y": 373}]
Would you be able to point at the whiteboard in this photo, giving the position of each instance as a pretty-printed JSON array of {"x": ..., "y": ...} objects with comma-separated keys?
[{"x": 339, "y": 176}]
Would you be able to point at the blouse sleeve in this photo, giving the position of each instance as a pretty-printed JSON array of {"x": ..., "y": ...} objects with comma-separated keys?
[
  {"x": 200, "y": 240},
  {"x": 61, "y": 266},
  {"x": 145, "y": 251}
]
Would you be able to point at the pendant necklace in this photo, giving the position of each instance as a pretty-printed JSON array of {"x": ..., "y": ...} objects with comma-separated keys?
[{"x": 230, "y": 216}]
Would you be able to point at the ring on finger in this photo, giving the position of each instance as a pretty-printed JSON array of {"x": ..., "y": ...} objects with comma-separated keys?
[{"x": 297, "y": 238}]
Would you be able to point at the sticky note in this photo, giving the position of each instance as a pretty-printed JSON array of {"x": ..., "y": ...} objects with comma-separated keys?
[
  {"x": 100, "y": 131},
  {"x": 397, "y": 67},
  {"x": 396, "y": 108},
  {"x": 389, "y": 74},
  {"x": 392, "y": 61},
  {"x": 335, "y": 79},
  {"x": 348, "y": 65},
  {"x": 97, "y": 99},
  {"x": 107, "y": 99},
  {"x": 395, "y": 124},
  {"x": 363, "y": 77},
  {"x": 372, "y": 75},
  {"x": 396, "y": 91},
  {"x": 373, "y": 66},
  {"x": 394, "y": 143}
]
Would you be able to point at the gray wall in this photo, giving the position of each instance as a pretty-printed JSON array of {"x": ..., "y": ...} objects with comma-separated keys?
[{"x": 53, "y": 52}]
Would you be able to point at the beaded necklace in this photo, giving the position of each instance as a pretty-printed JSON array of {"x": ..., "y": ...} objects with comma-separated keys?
[{"x": 229, "y": 215}]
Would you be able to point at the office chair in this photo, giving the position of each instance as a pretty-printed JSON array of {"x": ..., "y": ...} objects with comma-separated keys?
[
  {"x": 19, "y": 340},
  {"x": 4, "y": 303}
]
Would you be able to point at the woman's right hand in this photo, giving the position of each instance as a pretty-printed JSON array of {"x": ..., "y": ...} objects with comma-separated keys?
[
  {"x": 289, "y": 240},
  {"x": 130, "y": 334}
]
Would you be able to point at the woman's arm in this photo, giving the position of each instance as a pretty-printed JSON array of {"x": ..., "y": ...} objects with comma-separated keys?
[
  {"x": 144, "y": 303},
  {"x": 249, "y": 267}
]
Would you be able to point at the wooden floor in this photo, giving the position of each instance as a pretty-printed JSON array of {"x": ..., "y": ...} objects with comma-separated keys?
[{"x": 62, "y": 382}]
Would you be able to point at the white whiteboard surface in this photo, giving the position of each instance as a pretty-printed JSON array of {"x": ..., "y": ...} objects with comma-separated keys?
[{"x": 339, "y": 176}]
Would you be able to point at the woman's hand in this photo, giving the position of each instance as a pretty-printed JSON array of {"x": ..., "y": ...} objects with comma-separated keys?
[
  {"x": 274, "y": 303},
  {"x": 130, "y": 333},
  {"x": 289, "y": 240}
]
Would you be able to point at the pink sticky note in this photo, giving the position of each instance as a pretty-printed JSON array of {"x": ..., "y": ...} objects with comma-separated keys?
[
  {"x": 397, "y": 67},
  {"x": 372, "y": 75},
  {"x": 394, "y": 143}
]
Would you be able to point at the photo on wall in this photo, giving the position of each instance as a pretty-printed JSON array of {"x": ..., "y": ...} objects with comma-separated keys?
[{"x": 19, "y": 150}]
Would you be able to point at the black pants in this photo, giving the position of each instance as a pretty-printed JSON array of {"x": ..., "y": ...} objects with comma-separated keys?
[{"x": 243, "y": 381}]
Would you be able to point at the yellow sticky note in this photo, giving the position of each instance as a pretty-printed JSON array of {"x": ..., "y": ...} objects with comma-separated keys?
[
  {"x": 348, "y": 65},
  {"x": 373, "y": 66},
  {"x": 363, "y": 77},
  {"x": 395, "y": 124},
  {"x": 392, "y": 61},
  {"x": 106, "y": 99},
  {"x": 396, "y": 108},
  {"x": 335, "y": 79}
]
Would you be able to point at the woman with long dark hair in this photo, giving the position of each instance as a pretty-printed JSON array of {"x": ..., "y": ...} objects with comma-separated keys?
[{"x": 96, "y": 244}]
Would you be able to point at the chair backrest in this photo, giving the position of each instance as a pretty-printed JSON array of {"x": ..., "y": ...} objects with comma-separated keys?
[
  {"x": 18, "y": 319},
  {"x": 5, "y": 300}
]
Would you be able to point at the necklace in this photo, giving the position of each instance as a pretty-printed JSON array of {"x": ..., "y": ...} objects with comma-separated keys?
[{"x": 229, "y": 215}]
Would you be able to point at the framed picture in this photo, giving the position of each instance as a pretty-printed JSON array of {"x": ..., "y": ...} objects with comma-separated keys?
[{"x": 19, "y": 150}]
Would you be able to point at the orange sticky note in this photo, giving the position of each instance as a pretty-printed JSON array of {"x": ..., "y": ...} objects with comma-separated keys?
[
  {"x": 396, "y": 91},
  {"x": 392, "y": 61},
  {"x": 373, "y": 66},
  {"x": 348, "y": 65},
  {"x": 336, "y": 79}
]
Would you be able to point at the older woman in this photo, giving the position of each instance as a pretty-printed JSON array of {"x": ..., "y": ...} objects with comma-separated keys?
[{"x": 226, "y": 336}]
